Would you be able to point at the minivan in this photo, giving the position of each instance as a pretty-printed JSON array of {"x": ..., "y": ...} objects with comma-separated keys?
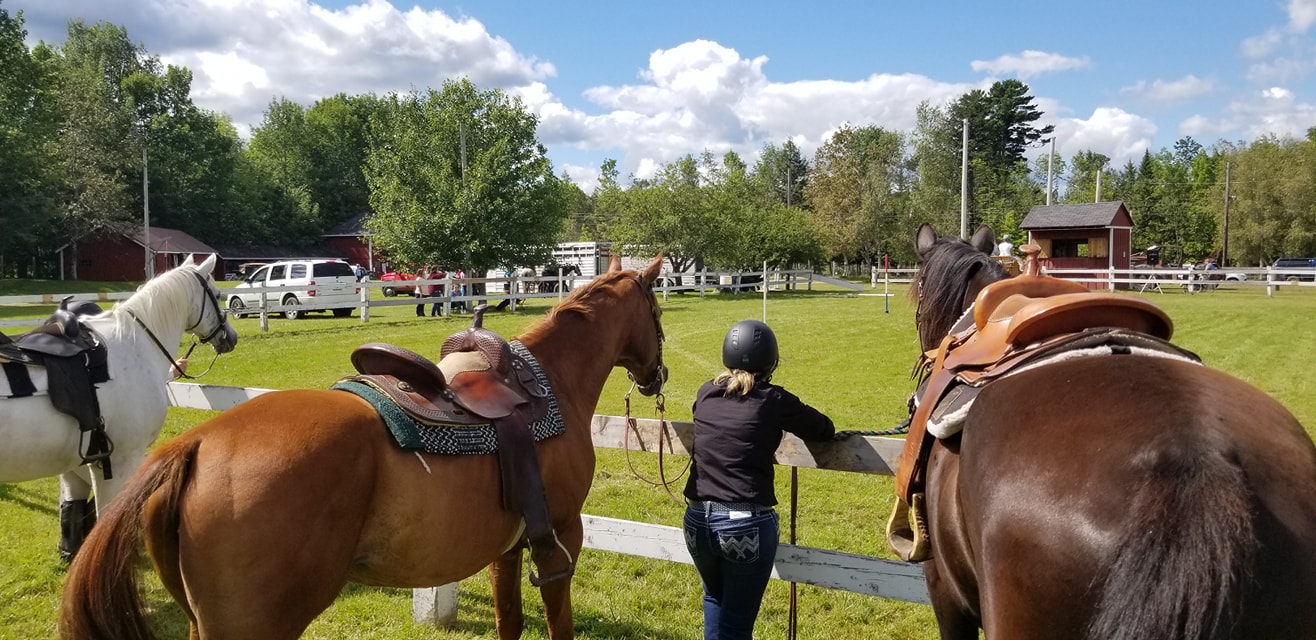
[
  {"x": 318, "y": 283},
  {"x": 1304, "y": 264}
]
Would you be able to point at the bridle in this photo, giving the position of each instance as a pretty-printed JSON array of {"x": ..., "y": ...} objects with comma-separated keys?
[
  {"x": 660, "y": 372},
  {"x": 660, "y": 404},
  {"x": 220, "y": 313}
]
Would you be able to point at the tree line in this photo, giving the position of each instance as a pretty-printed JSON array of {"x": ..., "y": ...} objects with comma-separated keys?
[{"x": 456, "y": 176}]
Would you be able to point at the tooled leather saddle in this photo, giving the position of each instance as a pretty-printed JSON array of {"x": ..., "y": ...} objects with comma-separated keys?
[
  {"x": 1019, "y": 321},
  {"x": 75, "y": 361},
  {"x": 478, "y": 381}
]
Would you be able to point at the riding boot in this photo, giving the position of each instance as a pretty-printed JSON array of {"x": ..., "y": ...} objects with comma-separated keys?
[{"x": 73, "y": 527}]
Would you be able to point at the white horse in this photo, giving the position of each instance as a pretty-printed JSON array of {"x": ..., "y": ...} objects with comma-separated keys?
[{"x": 140, "y": 335}]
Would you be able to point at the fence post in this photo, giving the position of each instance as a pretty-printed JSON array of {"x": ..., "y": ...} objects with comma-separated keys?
[
  {"x": 365, "y": 302},
  {"x": 264, "y": 312},
  {"x": 435, "y": 606}
]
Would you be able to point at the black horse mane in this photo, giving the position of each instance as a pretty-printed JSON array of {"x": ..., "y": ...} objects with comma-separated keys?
[{"x": 949, "y": 268}]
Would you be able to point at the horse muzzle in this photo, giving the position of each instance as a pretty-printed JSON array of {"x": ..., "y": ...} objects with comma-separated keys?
[
  {"x": 224, "y": 340},
  {"x": 655, "y": 385}
]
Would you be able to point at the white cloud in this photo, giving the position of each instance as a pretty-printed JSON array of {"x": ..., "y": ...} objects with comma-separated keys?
[
  {"x": 1275, "y": 111},
  {"x": 1302, "y": 14},
  {"x": 1029, "y": 64},
  {"x": 243, "y": 55},
  {"x": 1172, "y": 91},
  {"x": 1120, "y": 135}
]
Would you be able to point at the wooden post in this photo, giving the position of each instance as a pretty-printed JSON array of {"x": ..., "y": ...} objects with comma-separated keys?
[{"x": 435, "y": 606}]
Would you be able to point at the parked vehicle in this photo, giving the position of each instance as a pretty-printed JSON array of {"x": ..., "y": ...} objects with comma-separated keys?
[
  {"x": 395, "y": 289},
  {"x": 1297, "y": 264},
  {"x": 329, "y": 284}
]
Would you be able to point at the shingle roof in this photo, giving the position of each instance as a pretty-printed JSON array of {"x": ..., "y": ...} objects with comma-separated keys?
[
  {"x": 1064, "y": 216},
  {"x": 172, "y": 241},
  {"x": 352, "y": 227}
]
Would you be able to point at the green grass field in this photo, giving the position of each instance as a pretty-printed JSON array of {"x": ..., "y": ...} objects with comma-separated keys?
[{"x": 842, "y": 353}]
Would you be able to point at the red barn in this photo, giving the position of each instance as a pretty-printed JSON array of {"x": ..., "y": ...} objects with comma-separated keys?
[
  {"x": 118, "y": 257},
  {"x": 351, "y": 240}
]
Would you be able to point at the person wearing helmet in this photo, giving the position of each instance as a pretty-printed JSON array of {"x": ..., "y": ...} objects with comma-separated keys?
[
  {"x": 730, "y": 523},
  {"x": 1005, "y": 248}
]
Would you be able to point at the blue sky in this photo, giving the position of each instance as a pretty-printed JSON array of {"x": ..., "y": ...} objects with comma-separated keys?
[{"x": 647, "y": 83}]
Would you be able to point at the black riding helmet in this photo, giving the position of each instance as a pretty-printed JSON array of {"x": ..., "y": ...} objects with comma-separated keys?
[{"x": 750, "y": 346}]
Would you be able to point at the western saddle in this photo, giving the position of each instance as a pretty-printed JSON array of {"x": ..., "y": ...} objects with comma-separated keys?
[
  {"x": 478, "y": 381},
  {"x": 75, "y": 361},
  {"x": 1016, "y": 321}
]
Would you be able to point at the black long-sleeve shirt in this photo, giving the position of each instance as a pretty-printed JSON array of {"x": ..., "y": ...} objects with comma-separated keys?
[{"x": 735, "y": 438}]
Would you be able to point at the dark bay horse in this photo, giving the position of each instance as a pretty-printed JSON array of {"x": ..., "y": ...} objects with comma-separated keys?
[
  {"x": 256, "y": 519},
  {"x": 1115, "y": 497}
]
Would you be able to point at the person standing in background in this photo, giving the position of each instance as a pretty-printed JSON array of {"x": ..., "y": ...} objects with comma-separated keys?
[{"x": 421, "y": 291}]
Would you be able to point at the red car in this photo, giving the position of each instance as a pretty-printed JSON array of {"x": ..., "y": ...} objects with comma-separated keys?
[{"x": 393, "y": 290}]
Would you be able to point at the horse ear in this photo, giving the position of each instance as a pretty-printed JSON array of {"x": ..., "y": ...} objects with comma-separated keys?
[
  {"x": 650, "y": 273},
  {"x": 984, "y": 239},
  {"x": 924, "y": 239},
  {"x": 206, "y": 266},
  {"x": 614, "y": 263}
]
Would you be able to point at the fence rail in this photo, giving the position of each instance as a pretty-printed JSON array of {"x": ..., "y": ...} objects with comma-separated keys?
[
  {"x": 807, "y": 565},
  {"x": 512, "y": 289}
]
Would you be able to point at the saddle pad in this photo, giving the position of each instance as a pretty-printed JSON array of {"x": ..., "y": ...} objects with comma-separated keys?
[
  {"x": 947, "y": 418},
  {"x": 450, "y": 439}
]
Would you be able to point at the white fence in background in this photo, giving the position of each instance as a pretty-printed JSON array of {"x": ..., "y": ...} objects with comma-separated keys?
[{"x": 794, "y": 563}]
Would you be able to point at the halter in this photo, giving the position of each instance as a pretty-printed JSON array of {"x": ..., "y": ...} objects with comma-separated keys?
[
  {"x": 661, "y": 374},
  {"x": 220, "y": 313}
]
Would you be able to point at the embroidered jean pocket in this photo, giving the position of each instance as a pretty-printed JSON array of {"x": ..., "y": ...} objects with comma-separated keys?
[{"x": 740, "y": 544}]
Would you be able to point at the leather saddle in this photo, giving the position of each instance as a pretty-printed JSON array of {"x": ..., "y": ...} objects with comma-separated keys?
[
  {"x": 1016, "y": 321},
  {"x": 478, "y": 381},
  {"x": 75, "y": 361}
]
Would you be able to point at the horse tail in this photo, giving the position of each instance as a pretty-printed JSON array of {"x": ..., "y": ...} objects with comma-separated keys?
[
  {"x": 101, "y": 597},
  {"x": 1180, "y": 573}
]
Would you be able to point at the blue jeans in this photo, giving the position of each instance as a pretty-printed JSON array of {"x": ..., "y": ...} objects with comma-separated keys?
[{"x": 734, "y": 554}]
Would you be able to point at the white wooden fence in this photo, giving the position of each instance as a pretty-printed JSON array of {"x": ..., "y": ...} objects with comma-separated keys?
[{"x": 807, "y": 565}]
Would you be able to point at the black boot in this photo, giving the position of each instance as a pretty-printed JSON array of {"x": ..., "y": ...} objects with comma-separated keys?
[{"x": 76, "y": 518}]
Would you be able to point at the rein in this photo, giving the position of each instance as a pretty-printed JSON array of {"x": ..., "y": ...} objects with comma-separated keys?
[
  {"x": 201, "y": 316},
  {"x": 631, "y": 425},
  {"x": 660, "y": 404}
]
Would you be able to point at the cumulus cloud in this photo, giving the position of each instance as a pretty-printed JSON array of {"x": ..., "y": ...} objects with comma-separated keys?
[
  {"x": 1172, "y": 91},
  {"x": 1284, "y": 53},
  {"x": 243, "y": 55},
  {"x": 1273, "y": 111},
  {"x": 1302, "y": 14},
  {"x": 1120, "y": 135},
  {"x": 1029, "y": 64}
]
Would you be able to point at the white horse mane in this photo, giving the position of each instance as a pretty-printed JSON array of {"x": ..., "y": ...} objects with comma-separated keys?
[{"x": 163, "y": 301}]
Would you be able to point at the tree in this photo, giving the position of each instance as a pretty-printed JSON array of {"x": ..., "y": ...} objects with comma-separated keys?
[
  {"x": 1001, "y": 127},
  {"x": 28, "y": 196},
  {"x": 857, "y": 192},
  {"x": 458, "y": 179},
  {"x": 783, "y": 173}
]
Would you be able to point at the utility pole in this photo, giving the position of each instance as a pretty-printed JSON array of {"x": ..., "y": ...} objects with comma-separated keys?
[
  {"x": 1099, "y": 172},
  {"x": 463, "y": 143},
  {"x": 964, "y": 185},
  {"x": 146, "y": 219},
  {"x": 1050, "y": 157},
  {"x": 1224, "y": 250}
]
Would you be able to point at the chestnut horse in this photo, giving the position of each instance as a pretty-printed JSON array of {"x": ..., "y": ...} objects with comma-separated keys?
[
  {"x": 1112, "y": 498},
  {"x": 257, "y": 518}
]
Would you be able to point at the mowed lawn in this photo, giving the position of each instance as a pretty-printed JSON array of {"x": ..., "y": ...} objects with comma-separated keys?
[{"x": 848, "y": 355}]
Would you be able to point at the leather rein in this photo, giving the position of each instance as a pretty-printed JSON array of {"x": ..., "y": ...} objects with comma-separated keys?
[
  {"x": 660, "y": 404},
  {"x": 201, "y": 316}
]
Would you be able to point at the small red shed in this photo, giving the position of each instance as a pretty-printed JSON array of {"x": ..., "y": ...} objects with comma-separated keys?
[{"x": 1095, "y": 235}]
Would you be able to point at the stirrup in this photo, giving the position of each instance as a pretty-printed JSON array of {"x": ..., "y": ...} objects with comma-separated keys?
[{"x": 907, "y": 530}]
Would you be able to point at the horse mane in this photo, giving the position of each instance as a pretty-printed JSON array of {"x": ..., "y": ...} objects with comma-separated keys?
[
  {"x": 160, "y": 301},
  {"x": 575, "y": 302},
  {"x": 939, "y": 289}
]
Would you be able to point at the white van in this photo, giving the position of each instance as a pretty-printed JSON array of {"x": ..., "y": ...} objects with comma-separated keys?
[{"x": 318, "y": 284}]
